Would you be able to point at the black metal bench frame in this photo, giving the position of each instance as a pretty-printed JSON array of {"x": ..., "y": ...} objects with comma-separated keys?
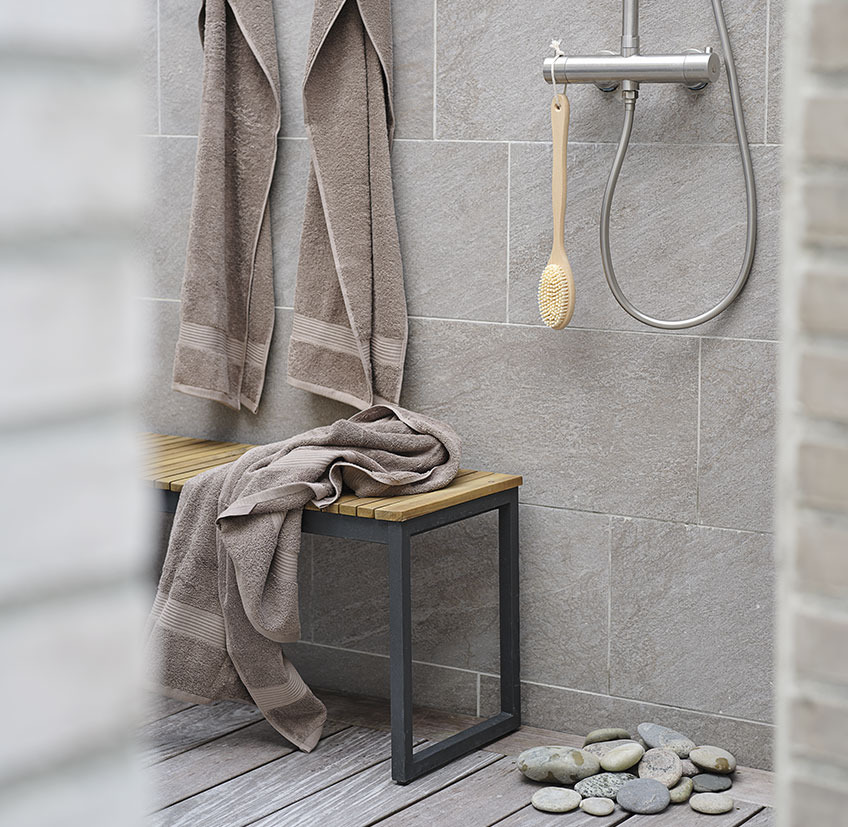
[{"x": 406, "y": 764}]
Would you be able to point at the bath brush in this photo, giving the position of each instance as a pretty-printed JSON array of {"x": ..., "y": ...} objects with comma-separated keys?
[{"x": 556, "y": 287}]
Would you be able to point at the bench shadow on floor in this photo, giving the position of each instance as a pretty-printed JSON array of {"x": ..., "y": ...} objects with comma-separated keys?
[{"x": 222, "y": 765}]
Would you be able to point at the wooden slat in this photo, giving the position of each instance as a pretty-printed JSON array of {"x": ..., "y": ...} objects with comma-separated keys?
[
  {"x": 166, "y": 459},
  {"x": 158, "y": 706},
  {"x": 478, "y": 800},
  {"x": 371, "y": 795},
  {"x": 165, "y": 449},
  {"x": 432, "y": 724},
  {"x": 528, "y": 816},
  {"x": 196, "y": 725},
  {"x": 369, "y": 509},
  {"x": 220, "y": 760},
  {"x": 682, "y": 815},
  {"x": 184, "y": 465},
  {"x": 756, "y": 786},
  {"x": 764, "y": 818},
  {"x": 529, "y": 736},
  {"x": 459, "y": 492},
  {"x": 289, "y": 779}
]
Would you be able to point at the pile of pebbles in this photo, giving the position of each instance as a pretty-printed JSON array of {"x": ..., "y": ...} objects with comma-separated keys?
[{"x": 643, "y": 775}]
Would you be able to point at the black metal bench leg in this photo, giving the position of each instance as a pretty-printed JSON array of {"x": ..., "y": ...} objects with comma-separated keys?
[
  {"x": 406, "y": 766},
  {"x": 400, "y": 651},
  {"x": 509, "y": 607}
]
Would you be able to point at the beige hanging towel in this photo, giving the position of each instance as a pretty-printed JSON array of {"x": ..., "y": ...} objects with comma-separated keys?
[
  {"x": 349, "y": 329},
  {"x": 227, "y": 308}
]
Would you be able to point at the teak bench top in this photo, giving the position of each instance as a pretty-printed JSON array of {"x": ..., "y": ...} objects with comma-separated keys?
[{"x": 173, "y": 460}]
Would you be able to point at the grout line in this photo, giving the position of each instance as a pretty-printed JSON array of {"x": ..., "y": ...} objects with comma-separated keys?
[
  {"x": 158, "y": 68},
  {"x": 663, "y": 144},
  {"x": 698, "y": 442},
  {"x": 478, "y": 695},
  {"x": 508, "y": 218},
  {"x": 766, "y": 74},
  {"x": 647, "y": 519},
  {"x": 435, "y": 59},
  {"x": 572, "y": 327},
  {"x": 552, "y": 686}
]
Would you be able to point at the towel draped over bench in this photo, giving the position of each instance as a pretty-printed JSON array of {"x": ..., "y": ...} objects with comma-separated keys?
[
  {"x": 227, "y": 597},
  {"x": 349, "y": 330},
  {"x": 227, "y": 302}
]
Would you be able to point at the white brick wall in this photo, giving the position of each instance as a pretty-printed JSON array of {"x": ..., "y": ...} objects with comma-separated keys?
[
  {"x": 71, "y": 510},
  {"x": 813, "y": 512}
]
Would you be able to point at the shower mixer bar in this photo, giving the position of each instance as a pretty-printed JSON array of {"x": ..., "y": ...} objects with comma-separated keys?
[{"x": 694, "y": 69}]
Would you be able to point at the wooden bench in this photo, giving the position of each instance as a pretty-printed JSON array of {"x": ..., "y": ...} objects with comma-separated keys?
[{"x": 393, "y": 521}]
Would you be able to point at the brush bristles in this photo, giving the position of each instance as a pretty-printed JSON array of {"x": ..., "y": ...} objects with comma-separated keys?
[{"x": 555, "y": 297}]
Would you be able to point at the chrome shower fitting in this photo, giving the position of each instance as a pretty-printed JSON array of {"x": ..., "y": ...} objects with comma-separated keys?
[{"x": 693, "y": 69}]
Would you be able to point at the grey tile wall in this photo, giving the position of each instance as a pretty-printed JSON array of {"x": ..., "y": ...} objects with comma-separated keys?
[{"x": 636, "y": 446}]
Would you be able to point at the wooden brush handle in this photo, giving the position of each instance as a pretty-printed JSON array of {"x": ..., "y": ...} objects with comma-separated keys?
[{"x": 559, "y": 127}]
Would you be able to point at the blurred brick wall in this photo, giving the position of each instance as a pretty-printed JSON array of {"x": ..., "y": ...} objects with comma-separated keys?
[
  {"x": 813, "y": 513},
  {"x": 71, "y": 528}
]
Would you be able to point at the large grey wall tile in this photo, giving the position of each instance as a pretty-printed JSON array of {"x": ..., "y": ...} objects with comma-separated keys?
[
  {"x": 173, "y": 167},
  {"x": 150, "y": 66},
  {"x": 181, "y": 66},
  {"x": 737, "y": 455},
  {"x": 677, "y": 230},
  {"x": 412, "y": 25},
  {"x": 489, "y": 67},
  {"x": 292, "y": 19},
  {"x": 359, "y": 673},
  {"x": 595, "y": 421},
  {"x": 288, "y": 194},
  {"x": 692, "y": 617},
  {"x": 564, "y": 597},
  {"x": 774, "y": 115},
  {"x": 451, "y": 201},
  {"x": 283, "y": 412},
  {"x": 454, "y": 595},
  {"x": 577, "y": 712}
]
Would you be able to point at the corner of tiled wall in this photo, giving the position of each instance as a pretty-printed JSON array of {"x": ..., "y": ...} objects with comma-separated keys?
[
  {"x": 636, "y": 446},
  {"x": 813, "y": 500}
]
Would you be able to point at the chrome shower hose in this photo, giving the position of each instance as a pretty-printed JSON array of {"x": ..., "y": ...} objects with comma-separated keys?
[{"x": 750, "y": 192}]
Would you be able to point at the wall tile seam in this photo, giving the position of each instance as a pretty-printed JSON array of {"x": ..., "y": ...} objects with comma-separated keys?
[
  {"x": 435, "y": 66},
  {"x": 627, "y": 517},
  {"x": 158, "y": 67},
  {"x": 535, "y": 326},
  {"x": 609, "y": 605},
  {"x": 571, "y": 143},
  {"x": 698, "y": 437},
  {"x": 508, "y": 219},
  {"x": 767, "y": 73}
]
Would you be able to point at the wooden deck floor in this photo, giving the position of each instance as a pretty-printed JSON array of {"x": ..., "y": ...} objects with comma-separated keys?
[{"x": 223, "y": 766}]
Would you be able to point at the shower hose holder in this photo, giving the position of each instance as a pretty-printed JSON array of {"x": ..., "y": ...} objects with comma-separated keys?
[{"x": 692, "y": 68}]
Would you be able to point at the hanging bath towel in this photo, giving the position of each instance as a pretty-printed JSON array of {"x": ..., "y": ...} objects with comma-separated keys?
[
  {"x": 227, "y": 308},
  {"x": 349, "y": 329}
]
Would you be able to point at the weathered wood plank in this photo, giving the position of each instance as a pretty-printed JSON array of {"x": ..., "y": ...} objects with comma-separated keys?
[
  {"x": 192, "y": 727},
  {"x": 158, "y": 706},
  {"x": 432, "y": 724},
  {"x": 682, "y": 815},
  {"x": 530, "y": 817},
  {"x": 220, "y": 760},
  {"x": 529, "y": 736},
  {"x": 764, "y": 818},
  {"x": 371, "y": 795},
  {"x": 459, "y": 491},
  {"x": 756, "y": 786},
  {"x": 287, "y": 780},
  {"x": 478, "y": 800}
]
